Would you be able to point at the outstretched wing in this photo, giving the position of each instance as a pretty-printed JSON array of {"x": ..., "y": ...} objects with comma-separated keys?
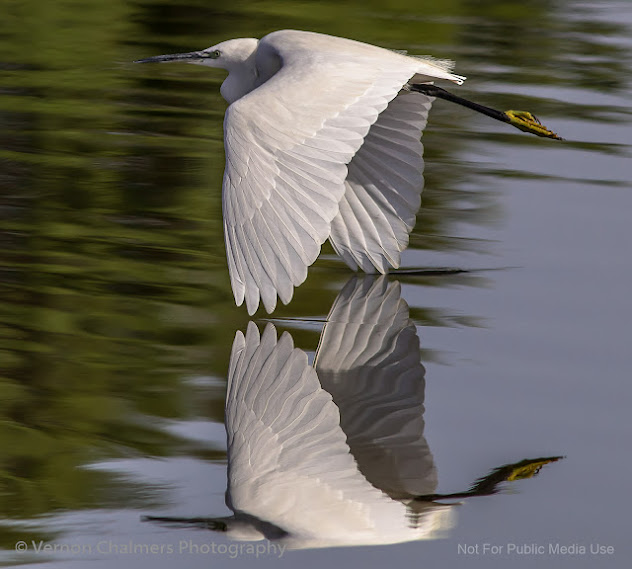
[
  {"x": 289, "y": 466},
  {"x": 383, "y": 188},
  {"x": 288, "y": 144},
  {"x": 288, "y": 462},
  {"x": 369, "y": 360}
]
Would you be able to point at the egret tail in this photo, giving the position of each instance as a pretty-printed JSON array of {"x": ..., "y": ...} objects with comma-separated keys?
[{"x": 521, "y": 120}]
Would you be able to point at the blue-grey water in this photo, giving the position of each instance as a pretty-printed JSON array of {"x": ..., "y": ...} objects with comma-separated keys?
[{"x": 117, "y": 319}]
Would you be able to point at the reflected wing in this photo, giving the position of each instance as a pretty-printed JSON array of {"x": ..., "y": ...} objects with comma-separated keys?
[
  {"x": 289, "y": 464},
  {"x": 288, "y": 144},
  {"x": 368, "y": 359},
  {"x": 383, "y": 188},
  {"x": 274, "y": 400}
]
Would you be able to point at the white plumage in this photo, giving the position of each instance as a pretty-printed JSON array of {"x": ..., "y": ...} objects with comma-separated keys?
[
  {"x": 322, "y": 142},
  {"x": 332, "y": 455},
  {"x": 335, "y": 455}
]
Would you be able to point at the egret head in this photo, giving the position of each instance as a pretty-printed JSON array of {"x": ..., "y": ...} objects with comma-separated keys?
[
  {"x": 235, "y": 56},
  {"x": 229, "y": 55}
]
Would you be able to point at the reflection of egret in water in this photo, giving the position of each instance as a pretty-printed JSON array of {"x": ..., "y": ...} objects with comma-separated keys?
[
  {"x": 368, "y": 359},
  {"x": 334, "y": 454}
]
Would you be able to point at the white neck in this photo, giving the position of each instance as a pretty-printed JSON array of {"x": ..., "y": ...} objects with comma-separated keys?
[{"x": 240, "y": 81}]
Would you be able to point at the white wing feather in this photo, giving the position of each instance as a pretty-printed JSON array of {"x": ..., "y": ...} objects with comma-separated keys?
[
  {"x": 383, "y": 188},
  {"x": 287, "y": 146},
  {"x": 369, "y": 360},
  {"x": 289, "y": 463}
]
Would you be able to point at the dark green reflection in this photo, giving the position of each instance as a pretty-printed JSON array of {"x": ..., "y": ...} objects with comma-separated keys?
[{"x": 113, "y": 281}]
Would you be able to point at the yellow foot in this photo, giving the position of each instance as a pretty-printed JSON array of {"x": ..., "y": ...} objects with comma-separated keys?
[
  {"x": 528, "y": 468},
  {"x": 526, "y": 122}
]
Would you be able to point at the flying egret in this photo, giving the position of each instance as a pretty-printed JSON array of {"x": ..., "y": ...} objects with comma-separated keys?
[
  {"x": 322, "y": 141},
  {"x": 334, "y": 454}
]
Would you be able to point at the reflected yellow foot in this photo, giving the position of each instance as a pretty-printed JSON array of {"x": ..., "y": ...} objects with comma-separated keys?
[
  {"x": 528, "y": 468},
  {"x": 527, "y": 122}
]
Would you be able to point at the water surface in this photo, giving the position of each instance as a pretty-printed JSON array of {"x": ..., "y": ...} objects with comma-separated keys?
[{"x": 117, "y": 319}]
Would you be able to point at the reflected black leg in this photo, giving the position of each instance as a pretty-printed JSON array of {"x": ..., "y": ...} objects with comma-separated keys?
[{"x": 489, "y": 484}]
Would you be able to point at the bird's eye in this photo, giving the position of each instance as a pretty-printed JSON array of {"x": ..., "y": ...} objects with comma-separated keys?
[{"x": 215, "y": 54}]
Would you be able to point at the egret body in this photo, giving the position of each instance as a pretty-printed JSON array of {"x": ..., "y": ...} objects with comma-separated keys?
[
  {"x": 334, "y": 454},
  {"x": 322, "y": 141},
  {"x": 331, "y": 455}
]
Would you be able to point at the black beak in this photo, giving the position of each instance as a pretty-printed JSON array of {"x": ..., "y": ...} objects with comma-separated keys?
[{"x": 172, "y": 57}]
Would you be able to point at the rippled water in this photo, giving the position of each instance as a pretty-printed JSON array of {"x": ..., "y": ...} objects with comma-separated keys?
[{"x": 117, "y": 319}]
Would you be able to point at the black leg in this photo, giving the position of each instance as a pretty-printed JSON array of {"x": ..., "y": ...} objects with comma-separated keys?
[
  {"x": 489, "y": 484},
  {"x": 521, "y": 120}
]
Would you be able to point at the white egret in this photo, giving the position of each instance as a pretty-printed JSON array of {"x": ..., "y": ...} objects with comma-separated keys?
[
  {"x": 322, "y": 141},
  {"x": 335, "y": 460},
  {"x": 335, "y": 454}
]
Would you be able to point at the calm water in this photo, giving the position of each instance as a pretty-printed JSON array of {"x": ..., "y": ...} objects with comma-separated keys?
[{"x": 117, "y": 319}]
